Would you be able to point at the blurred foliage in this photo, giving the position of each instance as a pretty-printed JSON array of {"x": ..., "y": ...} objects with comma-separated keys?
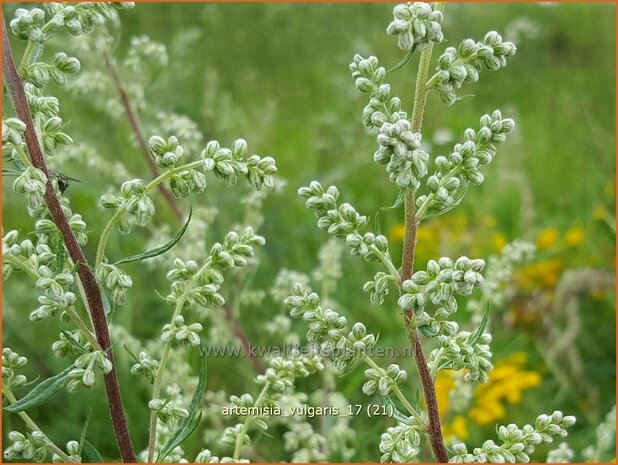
[{"x": 276, "y": 74}]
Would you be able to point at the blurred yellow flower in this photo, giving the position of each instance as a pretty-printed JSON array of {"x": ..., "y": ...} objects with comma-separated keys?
[
  {"x": 396, "y": 233},
  {"x": 547, "y": 238},
  {"x": 575, "y": 236},
  {"x": 456, "y": 429},
  {"x": 498, "y": 241},
  {"x": 506, "y": 384},
  {"x": 599, "y": 213},
  {"x": 444, "y": 384}
]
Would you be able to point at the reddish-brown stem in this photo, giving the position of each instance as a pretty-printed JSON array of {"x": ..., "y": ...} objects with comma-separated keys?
[
  {"x": 139, "y": 135},
  {"x": 244, "y": 340},
  {"x": 93, "y": 293}
]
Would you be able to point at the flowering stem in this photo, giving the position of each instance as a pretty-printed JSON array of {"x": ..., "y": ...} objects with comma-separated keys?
[
  {"x": 434, "y": 429},
  {"x": 122, "y": 209},
  {"x": 247, "y": 423},
  {"x": 34, "y": 427},
  {"x": 139, "y": 135},
  {"x": 397, "y": 392},
  {"x": 93, "y": 292},
  {"x": 156, "y": 388}
]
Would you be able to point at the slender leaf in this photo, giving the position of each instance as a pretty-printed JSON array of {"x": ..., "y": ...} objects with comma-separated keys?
[
  {"x": 80, "y": 348},
  {"x": 403, "y": 62},
  {"x": 159, "y": 250},
  {"x": 41, "y": 393},
  {"x": 396, "y": 413},
  {"x": 82, "y": 438},
  {"x": 188, "y": 425},
  {"x": 398, "y": 202},
  {"x": 479, "y": 332},
  {"x": 91, "y": 453}
]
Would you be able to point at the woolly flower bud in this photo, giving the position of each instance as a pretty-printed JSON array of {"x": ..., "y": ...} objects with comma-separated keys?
[
  {"x": 416, "y": 24},
  {"x": 166, "y": 154},
  {"x": 179, "y": 333}
]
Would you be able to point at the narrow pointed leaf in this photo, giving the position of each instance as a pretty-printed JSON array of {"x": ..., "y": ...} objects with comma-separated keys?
[
  {"x": 41, "y": 393},
  {"x": 91, "y": 453},
  {"x": 188, "y": 425},
  {"x": 159, "y": 250}
]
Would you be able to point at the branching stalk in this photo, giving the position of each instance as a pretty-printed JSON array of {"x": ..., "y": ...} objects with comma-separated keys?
[
  {"x": 139, "y": 135},
  {"x": 93, "y": 293}
]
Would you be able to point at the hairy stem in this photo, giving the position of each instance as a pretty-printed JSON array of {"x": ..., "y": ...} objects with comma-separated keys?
[
  {"x": 139, "y": 135},
  {"x": 93, "y": 292},
  {"x": 434, "y": 429}
]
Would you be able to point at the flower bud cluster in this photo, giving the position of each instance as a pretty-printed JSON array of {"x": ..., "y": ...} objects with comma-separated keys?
[
  {"x": 343, "y": 221},
  {"x": 383, "y": 381},
  {"x": 328, "y": 328},
  {"x": 378, "y": 287},
  {"x": 457, "y": 66},
  {"x": 145, "y": 366},
  {"x": 416, "y": 24},
  {"x": 499, "y": 271},
  {"x": 73, "y": 451},
  {"x": 116, "y": 280},
  {"x": 401, "y": 443},
  {"x": 135, "y": 202},
  {"x": 166, "y": 153},
  {"x": 178, "y": 332},
  {"x": 31, "y": 446},
  {"x": 144, "y": 50},
  {"x": 57, "y": 298},
  {"x": 438, "y": 285},
  {"x": 28, "y": 24},
  {"x": 40, "y": 74},
  {"x": 464, "y": 163},
  {"x": 64, "y": 347},
  {"x": 463, "y": 350},
  {"x": 82, "y": 18},
  {"x": 12, "y": 132},
  {"x": 11, "y": 362},
  {"x": 398, "y": 147},
  {"x": 32, "y": 184},
  {"x": 228, "y": 164},
  {"x": 201, "y": 285},
  {"x": 278, "y": 378},
  {"x": 561, "y": 454},
  {"x": 205, "y": 456},
  {"x": 168, "y": 411},
  {"x": 517, "y": 443},
  {"x": 86, "y": 368},
  {"x": 23, "y": 255}
]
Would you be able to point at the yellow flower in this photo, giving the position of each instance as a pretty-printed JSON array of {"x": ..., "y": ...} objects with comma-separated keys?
[
  {"x": 574, "y": 236},
  {"x": 599, "y": 213},
  {"x": 396, "y": 233},
  {"x": 547, "y": 238},
  {"x": 457, "y": 429},
  {"x": 498, "y": 241},
  {"x": 444, "y": 384},
  {"x": 506, "y": 384}
]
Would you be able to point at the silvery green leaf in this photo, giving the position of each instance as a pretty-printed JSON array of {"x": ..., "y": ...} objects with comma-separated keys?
[{"x": 41, "y": 393}]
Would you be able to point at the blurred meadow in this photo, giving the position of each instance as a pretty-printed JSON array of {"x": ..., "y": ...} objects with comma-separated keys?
[{"x": 277, "y": 75}]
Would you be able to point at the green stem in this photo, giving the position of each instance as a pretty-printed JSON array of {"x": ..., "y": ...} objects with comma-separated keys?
[
  {"x": 25, "y": 60},
  {"x": 247, "y": 423},
  {"x": 34, "y": 427},
  {"x": 156, "y": 389},
  {"x": 122, "y": 209}
]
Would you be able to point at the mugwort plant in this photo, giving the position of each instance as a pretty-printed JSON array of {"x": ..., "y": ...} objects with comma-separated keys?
[{"x": 77, "y": 296}]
